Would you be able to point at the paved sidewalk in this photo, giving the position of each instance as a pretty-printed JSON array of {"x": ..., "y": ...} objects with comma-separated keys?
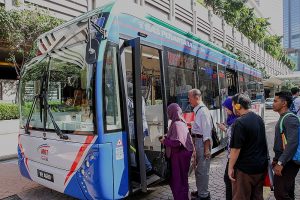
[
  {"x": 9, "y": 130},
  {"x": 12, "y": 183}
]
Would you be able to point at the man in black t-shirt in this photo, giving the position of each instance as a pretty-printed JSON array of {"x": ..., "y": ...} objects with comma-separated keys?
[{"x": 248, "y": 156}]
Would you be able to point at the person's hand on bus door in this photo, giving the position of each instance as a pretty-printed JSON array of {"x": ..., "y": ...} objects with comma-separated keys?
[{"x": 161, "y": 139}]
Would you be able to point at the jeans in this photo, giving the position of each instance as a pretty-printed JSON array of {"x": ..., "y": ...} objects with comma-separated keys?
[{"x": 148, "y": 164}]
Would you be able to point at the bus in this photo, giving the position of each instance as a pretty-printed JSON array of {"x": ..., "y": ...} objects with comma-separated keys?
[{"x": 78, "y": 134}]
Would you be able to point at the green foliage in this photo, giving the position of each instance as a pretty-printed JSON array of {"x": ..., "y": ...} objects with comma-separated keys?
[
  {"x": 241, "y": 57},
  {"x": 216, "y": 5},
  {"x": 264, "y": 73},
  {"x": 201, "y": 2},
  {"x": 287, "y": 86},
  {"x": 20, "y": 28},
  {"x": 9, "y": 111},
  {"x": 243, "y": 19}
]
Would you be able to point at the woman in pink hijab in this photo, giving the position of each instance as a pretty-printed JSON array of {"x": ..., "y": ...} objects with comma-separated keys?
[{"x": 179, "y": 149}]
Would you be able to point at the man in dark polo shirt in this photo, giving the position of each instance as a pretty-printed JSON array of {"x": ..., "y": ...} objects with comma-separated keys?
[
  {"x": 285, "y": 168},
  {"x": 248, "y": 157}
]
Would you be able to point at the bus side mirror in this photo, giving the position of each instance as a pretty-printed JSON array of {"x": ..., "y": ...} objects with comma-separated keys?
[{"x": 91, "y": 52}]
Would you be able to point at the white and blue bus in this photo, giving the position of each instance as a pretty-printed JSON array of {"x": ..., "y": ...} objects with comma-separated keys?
[{"x": 78, "y": 135}]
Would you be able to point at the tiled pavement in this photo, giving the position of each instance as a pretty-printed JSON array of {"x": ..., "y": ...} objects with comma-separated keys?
[{"x": 12, "y": 183}]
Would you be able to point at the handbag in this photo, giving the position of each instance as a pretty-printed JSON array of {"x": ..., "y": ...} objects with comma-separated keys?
[
  {"x": 214, "y": 135},
  {"x": 161, "y": 165}
]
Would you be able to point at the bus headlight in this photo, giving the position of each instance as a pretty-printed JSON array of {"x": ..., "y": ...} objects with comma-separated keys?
[{"x": 87, "y": 163}]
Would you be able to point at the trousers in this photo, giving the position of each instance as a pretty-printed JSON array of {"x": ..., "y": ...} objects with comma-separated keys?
[{"x": 202, "y": 169}]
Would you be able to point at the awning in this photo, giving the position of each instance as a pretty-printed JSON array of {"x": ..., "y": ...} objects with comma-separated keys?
[
  {"x": 294, "y": 77},
  {"x": 272, "y": 81}
]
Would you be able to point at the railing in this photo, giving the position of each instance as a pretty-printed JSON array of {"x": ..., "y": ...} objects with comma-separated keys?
[{"x": 193, "y": 17}]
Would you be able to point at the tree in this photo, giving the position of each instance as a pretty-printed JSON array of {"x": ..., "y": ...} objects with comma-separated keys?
[
  {"x": 287, "y": 86},
  {"x": 243, "y": 19},
  {"x": 232, "y": 11},
  {"x": 216, "y": 5},
  {"x": 19, "y": 30}
]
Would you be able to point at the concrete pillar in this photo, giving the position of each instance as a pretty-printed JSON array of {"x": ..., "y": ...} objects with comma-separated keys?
[
  {"x": 8, "y": 4},
  {"x": 256, "y": 51},
  {"x": 210, "y": 19},
  {"x": 224, "y": 33},
  {"x": 89, "y": 5},
  {"x": 243, "y": 45},
  {"x": 195, "y": 28},
  {"x": 172, "y": 10}
]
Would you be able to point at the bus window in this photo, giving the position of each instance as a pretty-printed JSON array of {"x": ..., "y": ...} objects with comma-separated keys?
[
  {"x": 30, "y": 87},
  {"x": 242, "y": 83},
  {"x": 180, "y": 77},
  {"x": 222, "y": 83},
  {"x": 111, "y": 90},
  {"x": 231, "y": 76},
  {"x": 208, "y": 79}
]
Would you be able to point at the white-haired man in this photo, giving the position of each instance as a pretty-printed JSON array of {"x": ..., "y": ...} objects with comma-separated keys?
[{"x": 201, "y": 133}]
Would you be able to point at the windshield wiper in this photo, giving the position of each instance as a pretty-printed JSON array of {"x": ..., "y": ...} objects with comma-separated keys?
[
  {"x": 44, "y": 96},
  {"x": 30, "y": 114},
  {"x": 44, "y": 106},
  {"x": 56, "y": 127}
]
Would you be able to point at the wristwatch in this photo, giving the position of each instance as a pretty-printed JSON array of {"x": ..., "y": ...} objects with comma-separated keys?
[{"x": 279, "y": 163}]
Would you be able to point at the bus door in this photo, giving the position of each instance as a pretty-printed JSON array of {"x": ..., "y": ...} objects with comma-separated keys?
[
  {"x": 231, "y": 79},
  {"x": 145, "y": 117}
]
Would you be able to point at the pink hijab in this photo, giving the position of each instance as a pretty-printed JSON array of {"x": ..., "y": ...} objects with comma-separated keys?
[{"x": 178, "y": 129}]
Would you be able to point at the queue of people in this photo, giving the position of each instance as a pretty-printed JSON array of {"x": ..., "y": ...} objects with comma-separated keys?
[{"x": 248, "y": 156}]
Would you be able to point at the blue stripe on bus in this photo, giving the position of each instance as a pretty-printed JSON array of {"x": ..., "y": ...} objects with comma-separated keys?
[
  {"x": 131, "y": 26},
  {"x": 22, "y": 166}
]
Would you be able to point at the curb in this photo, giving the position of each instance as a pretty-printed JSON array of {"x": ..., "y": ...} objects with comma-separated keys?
[{"x": 8, "y": 157}]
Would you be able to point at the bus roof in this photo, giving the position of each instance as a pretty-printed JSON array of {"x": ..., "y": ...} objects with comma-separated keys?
[{"x": 119, "y": 8}]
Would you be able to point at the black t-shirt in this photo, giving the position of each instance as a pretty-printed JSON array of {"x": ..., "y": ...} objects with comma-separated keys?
[{"x": 248, "y": 134}]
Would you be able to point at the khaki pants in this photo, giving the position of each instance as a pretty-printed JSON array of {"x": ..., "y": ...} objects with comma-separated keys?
[{"x": 247, "y": 186}]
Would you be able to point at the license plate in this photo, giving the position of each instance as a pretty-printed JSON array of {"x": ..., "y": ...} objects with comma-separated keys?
[{"x": 45, "y": 175}]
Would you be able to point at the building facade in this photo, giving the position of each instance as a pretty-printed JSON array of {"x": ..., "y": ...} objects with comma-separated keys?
[
  {"x": 189, "y": 15},
  {"x": 291, "y": 29},
  {"x": 63, "y": 9}
]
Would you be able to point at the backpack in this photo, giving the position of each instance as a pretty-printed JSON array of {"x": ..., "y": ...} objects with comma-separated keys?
[
  {"x": 296, "y": 157},
  {"x": 293, "y": 107}
]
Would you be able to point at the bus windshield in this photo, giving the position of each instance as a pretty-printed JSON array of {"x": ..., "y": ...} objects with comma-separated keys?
[{"x": 69, "y": 91}]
